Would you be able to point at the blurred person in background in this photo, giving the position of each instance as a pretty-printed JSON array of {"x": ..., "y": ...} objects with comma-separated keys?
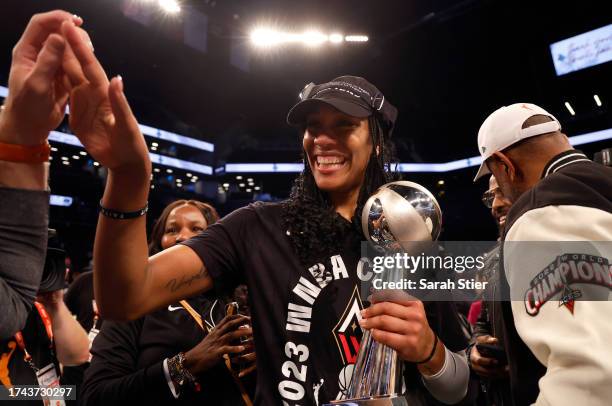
[
  {"x": 493, "y": 373},
  {"x": 79, "y": 299},
  {"x": 135, "y": 361},
  {"x": 51, "y": 339}
]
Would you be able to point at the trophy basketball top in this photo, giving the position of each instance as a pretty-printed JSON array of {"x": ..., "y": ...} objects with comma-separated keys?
[{"x": 399, "y": 212}]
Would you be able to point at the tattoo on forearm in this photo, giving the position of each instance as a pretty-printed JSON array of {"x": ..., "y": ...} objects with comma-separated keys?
[{"x": 175, "y": 284}]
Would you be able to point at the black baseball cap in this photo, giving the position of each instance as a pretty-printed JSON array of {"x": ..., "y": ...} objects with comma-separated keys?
[{"x": 351, "y": 95}]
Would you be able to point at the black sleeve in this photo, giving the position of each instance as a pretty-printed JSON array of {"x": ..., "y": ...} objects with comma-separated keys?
[
  {"x": 23, "y": 243},
  {"x": 222, "y": 247},
  {"x": 112, "y": 377}
]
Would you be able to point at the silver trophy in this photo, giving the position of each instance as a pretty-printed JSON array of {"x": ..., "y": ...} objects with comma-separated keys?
[{"x": 397, "y": 217}]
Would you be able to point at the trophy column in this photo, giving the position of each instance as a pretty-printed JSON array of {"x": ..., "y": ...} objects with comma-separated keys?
[
  {"x": 378, "y": 374},
  {"x": 396, "y": 216}
]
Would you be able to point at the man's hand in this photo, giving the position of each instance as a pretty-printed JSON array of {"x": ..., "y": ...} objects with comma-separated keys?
[
  {"x": 37, "y": 90},
  {"x": 218, "y": 342},
  {"x": 484, "y": 366}
]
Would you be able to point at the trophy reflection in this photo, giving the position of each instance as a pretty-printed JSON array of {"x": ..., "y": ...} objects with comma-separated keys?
[{"x": 398, "y": 217}]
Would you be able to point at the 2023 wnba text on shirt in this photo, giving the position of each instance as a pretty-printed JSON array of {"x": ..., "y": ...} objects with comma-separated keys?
[{"x": 305, "y": 318}]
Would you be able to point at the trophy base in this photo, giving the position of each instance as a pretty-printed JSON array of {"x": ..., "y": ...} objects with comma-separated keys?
[{"x": 389, "y": 400}]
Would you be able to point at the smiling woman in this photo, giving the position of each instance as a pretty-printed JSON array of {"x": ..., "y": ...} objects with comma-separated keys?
[{"x": 297, "y": 257}]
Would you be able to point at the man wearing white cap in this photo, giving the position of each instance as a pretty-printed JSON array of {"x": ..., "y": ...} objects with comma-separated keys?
[{"x": 555, "y": 323}]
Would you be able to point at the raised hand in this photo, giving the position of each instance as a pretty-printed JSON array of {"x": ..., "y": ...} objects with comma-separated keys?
[
  {"x": 37, "y": 92},
  {"x": 100, "y": 115}
]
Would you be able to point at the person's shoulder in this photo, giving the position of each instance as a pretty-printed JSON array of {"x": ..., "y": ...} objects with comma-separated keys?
[
  {"x": 583, "y": 184},
  {"x": 257, "y": 209},
  {"x": 266, "y": 207}
]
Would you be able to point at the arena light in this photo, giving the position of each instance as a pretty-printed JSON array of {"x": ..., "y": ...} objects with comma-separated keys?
[
  {"x": 314, "y": 38},
  {"x": 569, "y": 108},
  {"x": 170, "y": 6},
  {"x": 591, "y": 137},
  {"x": 70, "y": 139},
  {"x": 356, "y": 38},
  {"x": 597, "y": 100},
  {"x": 176, "y": 138},
  {"x": 336, "y": 38},
  {"x": 264, "y": 37}
]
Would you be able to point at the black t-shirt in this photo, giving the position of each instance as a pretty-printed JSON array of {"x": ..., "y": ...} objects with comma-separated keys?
[
  {"x": 127, "y": 363},
  {"x": 305, "y": 318},
  {"x": 13, "y": 369}
]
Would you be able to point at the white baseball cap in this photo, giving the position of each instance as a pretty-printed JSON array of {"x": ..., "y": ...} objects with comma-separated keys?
[{"x": 503, "y": 128}]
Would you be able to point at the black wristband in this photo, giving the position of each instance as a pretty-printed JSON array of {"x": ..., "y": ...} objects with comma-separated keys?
[
  {"x": 123, "y": 215},
  {"x": 433, "y": 351}
]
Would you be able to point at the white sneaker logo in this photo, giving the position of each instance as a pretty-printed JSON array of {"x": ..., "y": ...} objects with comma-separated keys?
[{"x": 171, "y": 309}]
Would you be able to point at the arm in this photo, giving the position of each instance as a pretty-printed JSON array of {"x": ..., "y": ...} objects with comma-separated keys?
[
  {"x": 403, "y": 326},
  {"x": 450, "y": 384},
  {"x": 23, "y": 242},
  {"x": 71, "y": 342},
  {"x": 35, "y": 105},
  {"x": 127, "y": 283},
  {"x": 573, "y": 346},
  {"x": 113, "y": 377}
]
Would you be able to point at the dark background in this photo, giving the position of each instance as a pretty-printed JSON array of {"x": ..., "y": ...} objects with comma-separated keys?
[{"x": 445, "y": 64}]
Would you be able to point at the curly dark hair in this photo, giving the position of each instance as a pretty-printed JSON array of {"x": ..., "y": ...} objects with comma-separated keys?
[
  {"x": 210, "y": 215},
  {"x": 314, "y": 228}
]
